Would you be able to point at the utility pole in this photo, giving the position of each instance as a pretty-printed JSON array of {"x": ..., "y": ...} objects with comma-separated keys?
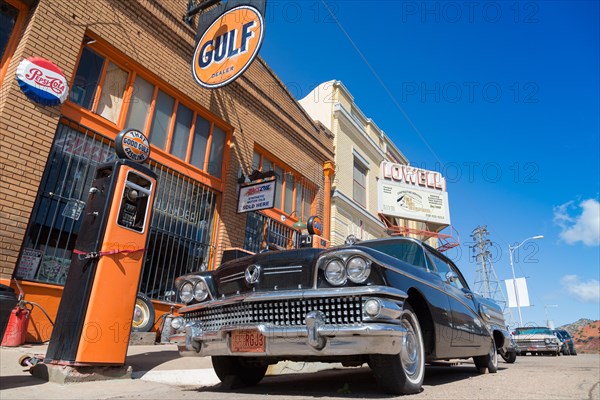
[{"x": 486, "y": 280}]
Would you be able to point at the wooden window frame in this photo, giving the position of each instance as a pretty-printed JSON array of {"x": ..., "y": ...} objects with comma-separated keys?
[
  {"x": 355, "y": 182},
  {"x": 276, "y": 213},
  {"x": 15, "y": 36},
  {"x": 98, "y": 123}
]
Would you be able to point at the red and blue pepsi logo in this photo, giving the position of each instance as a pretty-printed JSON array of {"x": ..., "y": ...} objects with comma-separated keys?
[{"x": 42, "y": 81}]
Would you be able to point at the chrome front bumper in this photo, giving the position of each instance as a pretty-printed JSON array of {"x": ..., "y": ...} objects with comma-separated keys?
[
  {"x": 381, "y": 335},
  {"x": 547, "y": 348}
]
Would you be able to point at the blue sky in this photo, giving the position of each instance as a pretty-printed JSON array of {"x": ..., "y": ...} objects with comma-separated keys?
[{"x": 504, "y": 96}]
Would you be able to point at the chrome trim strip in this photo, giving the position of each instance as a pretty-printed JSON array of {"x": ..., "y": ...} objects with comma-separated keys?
[
  {"x": 232, "y": 277},
  {"x": 284, "y": 267},
  {"x": 282, "y": 272},
  {"x": 298, "y": 294}
]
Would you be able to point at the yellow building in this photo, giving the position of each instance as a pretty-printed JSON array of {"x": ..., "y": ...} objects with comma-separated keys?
[{"x": 360, "y": 148}]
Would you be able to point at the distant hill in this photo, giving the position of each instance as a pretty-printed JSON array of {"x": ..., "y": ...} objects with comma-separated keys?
[
  {"x": 575, "y": 326},
  {"x": 586, "y": 334}
]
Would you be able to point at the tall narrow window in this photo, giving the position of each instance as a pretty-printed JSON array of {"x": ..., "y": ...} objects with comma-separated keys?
[
  {"x": 201, "y": 132},
  {"x": 278, "y": 187},
  {"x": 8, "y": 18},
  {"x": 139, "y": 106},
  {"x": 289, "y": 193},
  {"x": 113, "y": 88},
  {"x": 181, "y": 134},
  {"x": 309, "y": 197},
  {"x": 161, "y": 122},
  {"x": 86, "y": 78},
  {"x": 255, "y": 161},
  {"x": 267, "y": 166},
  {"x": 360, "y": 183},
  {"x": 298, "y": 205},
  {"x": 215, "y": 161}
]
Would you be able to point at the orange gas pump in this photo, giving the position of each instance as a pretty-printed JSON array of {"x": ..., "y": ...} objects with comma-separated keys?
[{"x": 93, "y": 323}]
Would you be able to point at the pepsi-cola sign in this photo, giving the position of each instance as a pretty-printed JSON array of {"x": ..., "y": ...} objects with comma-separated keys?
[
  {"x": 132, "y": 145},
  {"x": 42, "y": 81},
  {"x": 228, "y": 46}
]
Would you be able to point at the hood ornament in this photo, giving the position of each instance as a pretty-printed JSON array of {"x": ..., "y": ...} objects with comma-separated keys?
[{"x": 252, "y": 274}]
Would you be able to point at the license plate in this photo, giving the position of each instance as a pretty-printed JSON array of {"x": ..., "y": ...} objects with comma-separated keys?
[{"x": 247, "y": 341}]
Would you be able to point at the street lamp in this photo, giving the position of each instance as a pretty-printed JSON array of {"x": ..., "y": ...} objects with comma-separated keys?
[{"x": 512, "y": 267}]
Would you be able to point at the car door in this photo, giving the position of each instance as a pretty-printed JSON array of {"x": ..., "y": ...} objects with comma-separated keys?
[{"x": 467, "y": 329}]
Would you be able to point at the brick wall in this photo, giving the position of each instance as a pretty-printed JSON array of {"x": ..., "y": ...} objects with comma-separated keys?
[{"x": 152, "y": 35}]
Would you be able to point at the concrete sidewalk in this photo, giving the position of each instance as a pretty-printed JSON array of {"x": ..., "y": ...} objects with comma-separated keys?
[{"x": 154, "y": 368}]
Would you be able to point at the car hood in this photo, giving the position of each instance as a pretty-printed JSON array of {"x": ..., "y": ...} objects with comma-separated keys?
[{"x": 274, "y": 270}]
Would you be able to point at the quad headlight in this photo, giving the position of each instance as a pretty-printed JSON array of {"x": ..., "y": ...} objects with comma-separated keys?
[
  {"x": 335, "y": 272},
  {"x": 358, "y": 269},
  {"x": 186, "y": 292},
  {"x": 200, "y": 290},
  {"x": 338, "y": 270}
]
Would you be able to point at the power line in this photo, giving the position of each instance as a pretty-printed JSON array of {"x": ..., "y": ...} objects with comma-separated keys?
[{"x": 389, "y": 93}]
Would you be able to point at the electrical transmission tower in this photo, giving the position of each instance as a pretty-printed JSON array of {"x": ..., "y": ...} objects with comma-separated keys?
[{"x": 486, "y": 280}]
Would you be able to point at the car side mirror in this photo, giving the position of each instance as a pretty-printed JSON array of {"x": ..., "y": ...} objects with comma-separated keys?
[{"x": 451, "y": 276}]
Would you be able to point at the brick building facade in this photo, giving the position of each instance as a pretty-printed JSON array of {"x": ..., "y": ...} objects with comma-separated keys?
[{"x": 128, "y": 64}]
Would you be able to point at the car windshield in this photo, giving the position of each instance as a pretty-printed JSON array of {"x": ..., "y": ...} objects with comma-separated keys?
[
  {"x": 533, "y": 331},
  {"x": 565, "y": 334},
  {"x": 407, "y": 251}
]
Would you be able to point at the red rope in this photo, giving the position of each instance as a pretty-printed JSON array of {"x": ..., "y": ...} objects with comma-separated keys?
[{"x": 99, "y": 254}]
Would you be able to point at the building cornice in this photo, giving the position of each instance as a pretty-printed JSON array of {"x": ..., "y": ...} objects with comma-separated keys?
[
  {"x": 338, "y": 109},
  {"x": 386, "y": 139}
]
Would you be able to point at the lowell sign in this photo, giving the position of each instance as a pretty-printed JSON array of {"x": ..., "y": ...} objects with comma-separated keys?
[{"x": 413, "y": 193}]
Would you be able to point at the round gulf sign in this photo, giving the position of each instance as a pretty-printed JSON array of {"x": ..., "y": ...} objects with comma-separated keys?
[
  {"x": 132, "y": 145},
  {"x": 228, "y": 47},
  {"x": 42, "y": 81},
  {"x": 314, "y": 225}
]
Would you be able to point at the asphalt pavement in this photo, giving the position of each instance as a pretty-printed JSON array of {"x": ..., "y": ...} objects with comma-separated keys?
[{"x": 160, "y": 373}]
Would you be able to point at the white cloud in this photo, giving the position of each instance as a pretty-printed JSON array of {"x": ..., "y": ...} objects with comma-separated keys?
[
  {"x": 588, "y": 292},
  {"x": 584, "y": 227}
]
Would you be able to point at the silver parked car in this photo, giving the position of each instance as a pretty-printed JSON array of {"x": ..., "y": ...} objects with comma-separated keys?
[{"x": 537, "y": 340}]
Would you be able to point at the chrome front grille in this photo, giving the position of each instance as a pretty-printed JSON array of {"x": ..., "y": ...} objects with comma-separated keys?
[
  {"x": 337, "y": 310},
  {"x": 531, "y": 343}
]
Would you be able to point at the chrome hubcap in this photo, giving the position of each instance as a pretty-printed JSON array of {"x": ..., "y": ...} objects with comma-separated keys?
[{"x": 410, "y": 351}]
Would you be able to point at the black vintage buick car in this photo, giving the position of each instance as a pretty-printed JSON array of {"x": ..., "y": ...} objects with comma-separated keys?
[{"x": 393, "y": 303}]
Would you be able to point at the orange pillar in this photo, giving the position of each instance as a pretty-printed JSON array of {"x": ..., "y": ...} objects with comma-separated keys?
[{"x": 328, "y": 171}]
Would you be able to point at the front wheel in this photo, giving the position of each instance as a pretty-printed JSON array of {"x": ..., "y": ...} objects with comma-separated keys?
[
  {"x": 402, "y": 373},
  {"x": 238, "y": 368},
  {"x": 489, "y": 361}
]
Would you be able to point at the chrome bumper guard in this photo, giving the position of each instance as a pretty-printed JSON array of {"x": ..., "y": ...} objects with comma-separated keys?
[{"x": 381, "y": 334}]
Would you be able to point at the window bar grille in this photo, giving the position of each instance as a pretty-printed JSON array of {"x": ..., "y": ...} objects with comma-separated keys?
[{"x": 180, "y": 229}]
